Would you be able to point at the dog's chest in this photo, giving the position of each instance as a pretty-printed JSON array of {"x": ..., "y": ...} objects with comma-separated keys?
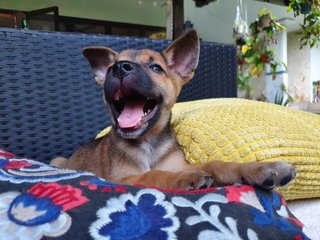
[{"x": 147, "y": 155}]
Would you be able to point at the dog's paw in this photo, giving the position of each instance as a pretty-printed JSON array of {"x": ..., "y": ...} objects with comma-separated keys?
[
  {"x": 193, "y": 179},
  {"x": 270, "y": 175},
  {"x": 58, "y": 162}
]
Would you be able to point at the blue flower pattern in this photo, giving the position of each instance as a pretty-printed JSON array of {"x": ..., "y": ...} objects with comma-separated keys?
[
  {"x": 146, "y": 216},
  {"x": 270, "y": 218},
  {"x": 139, "y": 221},
  {"x": 130, "y": 213},
  {"x": 50, "y": 212}
]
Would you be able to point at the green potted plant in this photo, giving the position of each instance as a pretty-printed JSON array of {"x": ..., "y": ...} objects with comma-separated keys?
[
  {"x": 310, "y": 29},
  {"x": 255, "y": 54},
  {"x": 282, "y": 98}
]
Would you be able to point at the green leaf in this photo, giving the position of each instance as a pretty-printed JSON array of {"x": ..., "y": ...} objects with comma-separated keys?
[{"x": 262, "y": 12}]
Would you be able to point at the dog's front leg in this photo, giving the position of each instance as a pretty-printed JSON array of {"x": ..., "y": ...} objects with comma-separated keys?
[
  {"x": 267, "y": 175},
  {"x": 186, "y": 180}
]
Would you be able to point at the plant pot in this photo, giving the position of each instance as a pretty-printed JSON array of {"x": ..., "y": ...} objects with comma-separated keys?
[
  {"x": 265, "y": 21},
  {"x": 306, "y": 8},
  {"x": 244, "y": 93},
  {"x": 286, "y": 2}
]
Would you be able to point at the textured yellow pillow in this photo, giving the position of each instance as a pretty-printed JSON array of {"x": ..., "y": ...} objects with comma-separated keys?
[
  {"x": 239, "y": 130},
  {"x": 242, "y": 130}
]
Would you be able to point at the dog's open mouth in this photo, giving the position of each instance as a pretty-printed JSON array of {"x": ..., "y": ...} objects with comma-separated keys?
[{"x": 133, "y": 110}]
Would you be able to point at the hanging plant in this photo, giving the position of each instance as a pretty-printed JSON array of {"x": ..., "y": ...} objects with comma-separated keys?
[
  {"x": 255, "y": 54},
  {"x": 310, "y": 29}
]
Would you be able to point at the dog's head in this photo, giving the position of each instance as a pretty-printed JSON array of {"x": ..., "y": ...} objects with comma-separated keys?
[{"x": 141, "y": 86}]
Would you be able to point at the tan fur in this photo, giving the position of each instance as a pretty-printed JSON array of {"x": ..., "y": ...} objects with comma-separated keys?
[{"x": 155, "y": 158}]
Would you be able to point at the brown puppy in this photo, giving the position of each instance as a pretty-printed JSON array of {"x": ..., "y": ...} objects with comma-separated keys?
[{"x": 140, "y": 88}]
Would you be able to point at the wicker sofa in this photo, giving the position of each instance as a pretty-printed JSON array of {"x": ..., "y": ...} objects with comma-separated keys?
[
  {"x": 49, "y": 106},
  {"x": 46, "y": 71}
]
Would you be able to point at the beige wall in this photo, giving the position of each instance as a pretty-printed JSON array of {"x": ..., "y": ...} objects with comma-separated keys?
[{"x": 299, "y": 69}]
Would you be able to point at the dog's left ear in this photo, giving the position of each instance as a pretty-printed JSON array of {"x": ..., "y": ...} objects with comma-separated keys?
[
  {"x": 100, "y": 58},
  {"x": 183, "y": 55}
]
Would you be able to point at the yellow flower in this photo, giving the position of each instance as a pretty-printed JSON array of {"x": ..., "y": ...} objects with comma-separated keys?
[
  {"x": 245, "y": 48},
  {"x": 255, "y": 71}
]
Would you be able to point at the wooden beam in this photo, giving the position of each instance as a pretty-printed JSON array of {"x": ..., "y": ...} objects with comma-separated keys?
[{"x": 178, "y": 18}]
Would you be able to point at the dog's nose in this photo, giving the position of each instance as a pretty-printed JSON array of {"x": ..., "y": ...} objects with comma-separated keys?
[{"x": 122, "y": 68}]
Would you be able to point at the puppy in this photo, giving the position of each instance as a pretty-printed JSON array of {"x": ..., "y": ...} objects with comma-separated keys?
[{"x": 140, "y": 88}]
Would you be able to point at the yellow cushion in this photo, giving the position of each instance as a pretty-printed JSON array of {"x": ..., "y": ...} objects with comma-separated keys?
[
  {"x": 103, "y": 132},
  {"x": 242, "y": 130}
]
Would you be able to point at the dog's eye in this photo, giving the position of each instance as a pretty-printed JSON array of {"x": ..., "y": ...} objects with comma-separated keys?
[{"x": 156, "y": 68}]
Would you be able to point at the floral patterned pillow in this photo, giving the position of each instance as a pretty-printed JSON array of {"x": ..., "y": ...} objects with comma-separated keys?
[{"x": 37, "y": 201}]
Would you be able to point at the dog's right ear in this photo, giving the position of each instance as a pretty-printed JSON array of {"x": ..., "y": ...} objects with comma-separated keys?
[
  {"x": 100, "y": 58},
  {"x": 182, "y": 55}
]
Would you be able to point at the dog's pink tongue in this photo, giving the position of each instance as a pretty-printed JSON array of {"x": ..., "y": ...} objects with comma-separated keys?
[{"x": 132, "y": 114}]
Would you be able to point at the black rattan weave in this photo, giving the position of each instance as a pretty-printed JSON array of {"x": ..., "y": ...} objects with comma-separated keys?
[{"x": 49, "y": 103}]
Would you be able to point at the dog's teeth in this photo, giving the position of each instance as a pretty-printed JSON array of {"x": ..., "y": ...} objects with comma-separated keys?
[{"x": 147, "y": 112}]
